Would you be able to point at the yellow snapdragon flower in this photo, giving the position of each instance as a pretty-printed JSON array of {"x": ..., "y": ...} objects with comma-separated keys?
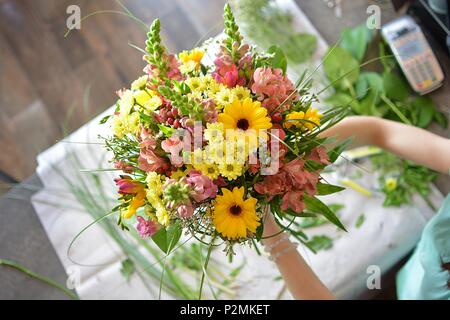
[
  {"x": 312, "y": 116},
  {"x": 190, "y": 60}
]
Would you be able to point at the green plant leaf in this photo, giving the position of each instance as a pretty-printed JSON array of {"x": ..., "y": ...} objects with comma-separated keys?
[
  {"x": 426, "y": 110},
  {"x": 341, "y": 68},
  {"x": 360, "y": 220},
  {"x": 441, "y": 119},
  {"x": 340, "y": 99},
  {"x": 395, "y": 87},
  {"x": 334, "y": 153},
  {"x": 308, "y": 44},
  {"x": 279, "y": 58},
  {"x": 324, "y": 189},
  {"x": 167, "y": 238},
  {"x": 321, "y": 242},
  {"x": 316, "y": 206},
  {"x": 167, "y": 131},
  {"x": 127, "y": 269},
  {"x": 355, "y": 40}
]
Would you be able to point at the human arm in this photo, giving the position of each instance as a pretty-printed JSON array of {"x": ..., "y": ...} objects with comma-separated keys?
[
  {"x": 408, "y": 142},
  {"x": 300, "y": 280}
]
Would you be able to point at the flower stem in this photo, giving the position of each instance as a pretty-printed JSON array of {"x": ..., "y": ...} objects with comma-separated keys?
[{"x": 37, "y": 276}]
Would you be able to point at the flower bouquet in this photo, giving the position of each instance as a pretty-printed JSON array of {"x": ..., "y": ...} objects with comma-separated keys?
[{"x": 209, "y": 149}]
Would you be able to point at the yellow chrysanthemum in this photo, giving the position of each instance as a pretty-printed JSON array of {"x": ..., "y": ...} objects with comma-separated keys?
[
  {"x": 312, "y": 117},
  {"x": 190, "y": 60},
  {"x": 224, "y": 98},
  {"x": 232, "y": 171},
  {"x": 139, "y": 83},
  {"x": 125, "y": 124},
  {"x": 247, "y": 116},
  {"x": 213, "y": 132},
  {"x": 240, "y": 92},
  {"x": 162, "y": 214},
  {"x": 233, "y": 216},
  {"x": 195, "y": 84},
  {"x": 208, "y": 82},
  {"x": 155, "y": 184},
  {"x": 178, "y": 174},
  {"x": 208, "y": 169}
]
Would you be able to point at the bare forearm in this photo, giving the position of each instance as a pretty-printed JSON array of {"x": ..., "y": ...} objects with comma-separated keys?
[
  {"x": 300, "y": 280},
  {"x": 408, "y": 142}
]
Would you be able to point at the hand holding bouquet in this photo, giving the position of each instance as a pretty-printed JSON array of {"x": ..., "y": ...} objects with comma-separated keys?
[{"x": 208, "y": 149}]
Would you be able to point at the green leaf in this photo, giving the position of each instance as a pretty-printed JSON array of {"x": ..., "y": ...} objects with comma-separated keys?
[
  {"x": 441, "y": 119},
  {"x": 321, "y": 242},
  {"x": 360, "y": 220},
  {"x": 340, "y": 99},
  {"x": 395, "y": 87},
  {"x": 167, "y": 131},
  {"x": 316, "y": 206},
  {"x": 105, "y": 118},
  {"x": 374, "y": 84},
  {"x": 334, "y": 153},
  {"x": 127, "y": 269},
  {"x": 308, "y": 44},
  {"x": 324, "y": 189},
  {"x": 426, "y": 110},
  {"x": 355, "y": 40},
  {"x": 279, "y": 58},
  {"x": 341, "y": 68},
  {"x": 167, "y": 238}
]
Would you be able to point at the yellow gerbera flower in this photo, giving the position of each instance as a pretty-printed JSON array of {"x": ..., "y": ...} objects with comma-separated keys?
[
  {"x": 245, "y": 115},
  {"x": 233, "y": 216},
  {"x": 312, "y": 116}
]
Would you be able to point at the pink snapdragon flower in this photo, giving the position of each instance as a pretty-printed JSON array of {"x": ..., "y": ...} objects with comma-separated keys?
[
  {"x": 203, "y": 187},
  {"x": 146, "y": 228},
  {"x": 272, "y": 88},
  {"x": 185, "y": 210}
]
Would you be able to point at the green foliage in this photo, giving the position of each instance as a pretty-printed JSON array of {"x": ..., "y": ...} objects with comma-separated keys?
[
  {"x": 186, "y": 106},
  {"x": 341, "y": 68},
  {"x": 325, "y": 189},
  {"x": 385, "y": 94},
  {"x": 266, "y": 24},
  {"x": 279, "y": 59},
  {"x": 167, "y": 238},
  {"x": 316, "y": 206},
  {"x": 360, "y": 220},
  {"x": 409, "y": 179},
  {"x": 128, "y": 269},
  {"x": 355, "y": 40},
  {"x": 321, "y": 242}
]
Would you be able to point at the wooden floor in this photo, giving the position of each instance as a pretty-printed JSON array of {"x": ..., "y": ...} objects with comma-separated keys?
[{"x": 51, "y": 85}]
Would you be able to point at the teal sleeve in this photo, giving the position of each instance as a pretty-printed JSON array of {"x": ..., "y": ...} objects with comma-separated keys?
[{"x": 423, "y": 277}]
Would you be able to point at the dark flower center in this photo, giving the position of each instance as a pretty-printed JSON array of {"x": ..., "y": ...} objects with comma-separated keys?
[
  {"x": 235, "y": 210},
  {"x": 243, "y": 124}
]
